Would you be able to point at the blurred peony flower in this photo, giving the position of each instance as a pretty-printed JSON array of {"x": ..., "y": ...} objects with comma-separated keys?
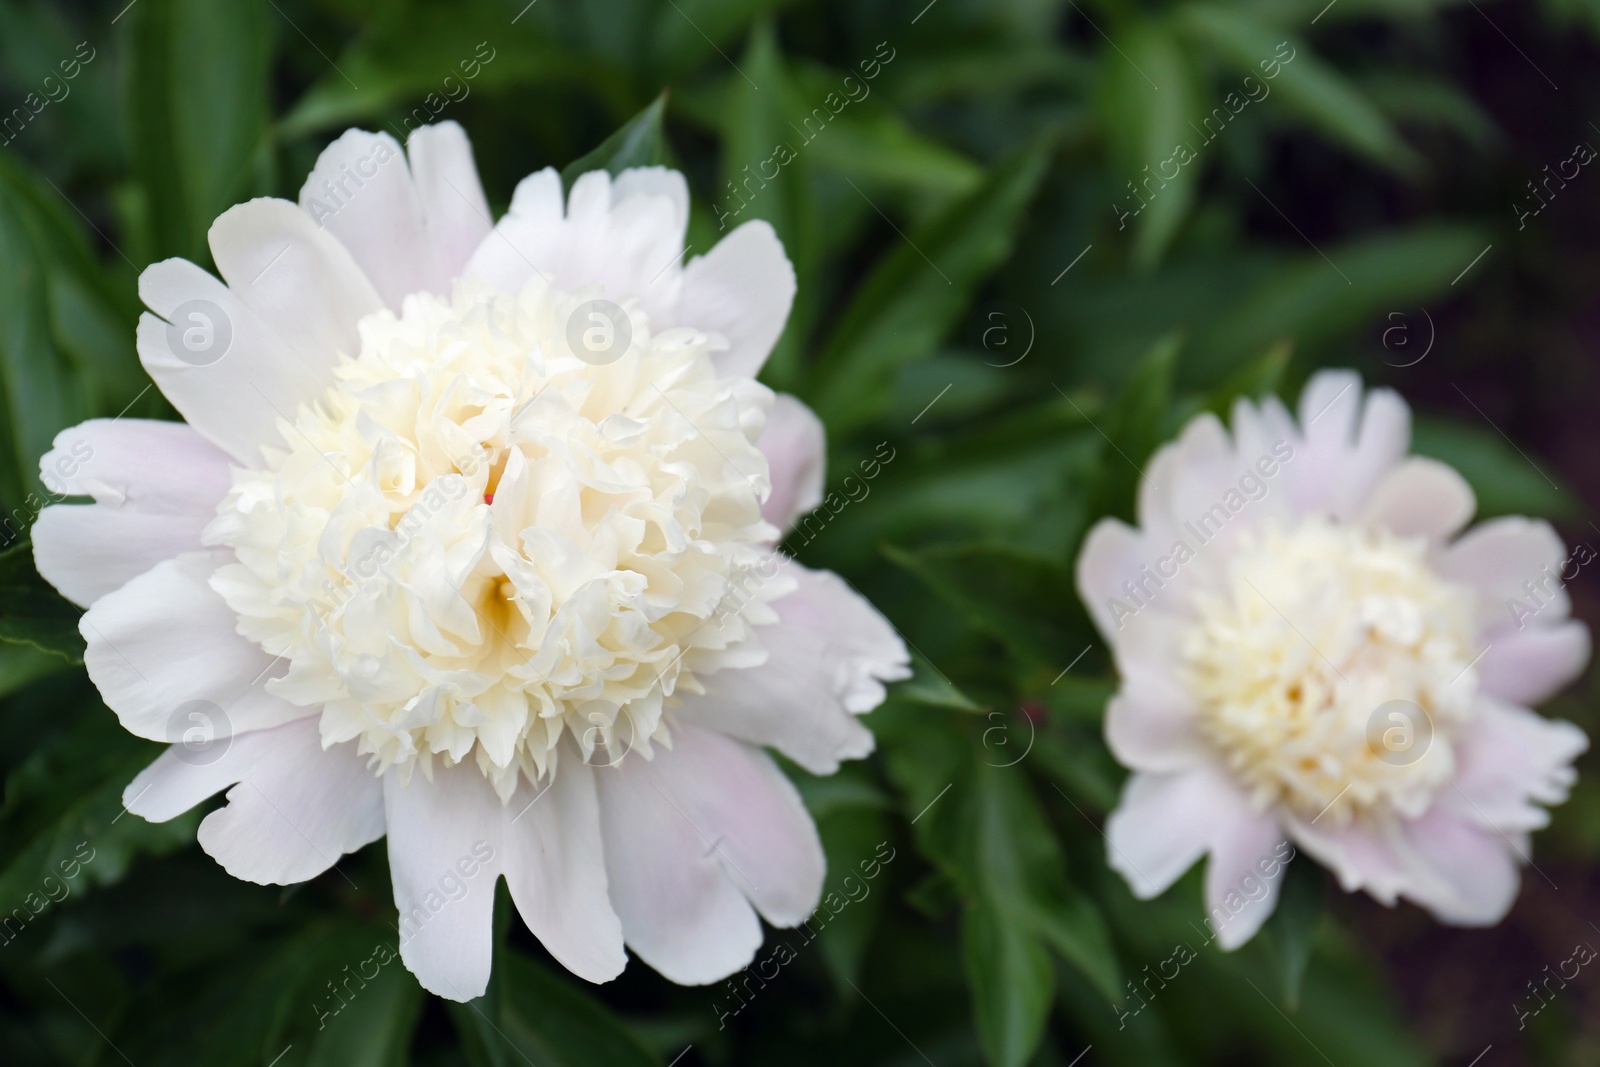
[
  {"x": 470, "y": 540},
  {"x": 1309, "y": 654}
]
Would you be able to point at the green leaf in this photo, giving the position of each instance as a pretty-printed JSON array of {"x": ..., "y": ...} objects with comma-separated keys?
[
  {"x": 918, "y": 291},
  {"x": 1012, "y": 984},
  {"x": 374, "y": 1028},
  {"x": 197, "y": 111},
  {"x": 1148, "y": 104},
  {"x": 1253, "y": 381},
  {"x": 423, "y": 60},
  {"x": 32, "y": 612},
  {"x": 1293, "y": 923},
  {"x": 64, "y": 804},
  {"x": 639, "y": 143},
  {"x": 1304, "y": 83},
  {"x": 1505, "y": 478},
  {"x": 1135, "y": 426},
  {"x": 755, "y": 129},
  {"x": 552, "y": 1023},
  {"x": 1016, "y": 597}
]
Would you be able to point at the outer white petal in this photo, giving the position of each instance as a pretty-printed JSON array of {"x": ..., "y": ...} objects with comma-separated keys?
[
  {"x": 361, "y": 192},
  {"x": 1420, "y": 498},
  {"x": 453, "y": 204},
  {"x": 743, "y": 289},
  {"x": 624, "y": 235},
  {"x": 1112, "y": 554},
  {"x": 229, "y": 374},
  {"x": 155, "y": 485},
  {"x": 1361, "y": 856},
  {"x": 437, "y": 830},
  {"x": 1463, "y": 873},
  {"x": 529, "y": 240},
  {"x": 1345, "y": 443},
  {"x": 295, "y": 276},
  {"x": 556, "y": 870},
  {"x": 1510, "y": 761},
  {"x": 296, "y": 808},
  {"x": 796, "y": 449},
  {"x": 1502, "y": 559},
  {"x": 1165, "y": 822},
  {"x": 828, "y": 656},
  {"x": 166, "y": 639},
  {"x": 689, "y": 835},
  {"x": 1527, "y": 666},
  {"x": 1239, "y": 893},
  {"x": 680, "y": 912}
]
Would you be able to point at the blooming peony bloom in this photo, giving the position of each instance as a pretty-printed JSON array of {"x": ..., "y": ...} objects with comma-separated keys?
[
  {"x": 1311, "y": 658},
  {"x": 470, "y": 540}
]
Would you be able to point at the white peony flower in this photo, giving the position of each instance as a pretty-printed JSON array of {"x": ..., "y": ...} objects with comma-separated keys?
[
  {"x": 470, "y": 540},
  {"x": 1311, "y": 657}
]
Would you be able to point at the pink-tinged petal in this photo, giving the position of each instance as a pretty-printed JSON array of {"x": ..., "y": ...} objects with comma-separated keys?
[
  {"x": 454, "y": 208},
  {"x": 447, "y": 850},
  {"x": 361, "y": 192},
  {"x": 796, "y": 449},
  {"x": 681, "y": 912},
  {"x": 294, "y": 808},
  {"x": 1463, "y": 873},
  {"x": 1527, "y": 666},
  {"x": 1421, "y": 498},
  {"x": 827, "y": 659},
  {"x": 1509, "y": 761},
  {"x": 743, "y": 289},
  {"x": 229, "y": 374},
  {"x": 166, "y": 640},
  {"x": 1360, "y": 855},
  {"x": 155, "y": 486},
  {"x": 1150, "y": 725},
  {"x": 1165, "y": 822},
  {"x": 555, "y": 868},
  {"x": 1243, "y": 876},
  {"x": 301, "y": 282},
  {"x": 1511, "y": 559},
  {"x": 1346, "y": 444},
  {"x": 1112, "y": 554}
]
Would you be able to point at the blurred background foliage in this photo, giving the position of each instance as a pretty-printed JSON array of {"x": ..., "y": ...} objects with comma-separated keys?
[{"x": 978, "y": 301}]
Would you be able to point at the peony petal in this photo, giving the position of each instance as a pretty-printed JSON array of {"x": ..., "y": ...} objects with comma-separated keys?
[
  {"x": 446, "y": 852},
  {"x": 301, "y": 282},
  {"x": 1361, "y": 856},
  {"x": 1165, "y": 822},
  {"x": 1112, "y": 554},
  {"x": 529, "y": 240},
  {"x": 556, "y": 870},
  {"x": 624, "y": 235},
  {"x": 453, "y": 205},
  {"x": 681, "y": 913},
  {"x": 229, "y": 374},
  {"x": 163, "y": 649},
  {"x": 1150, "y": 725},
  {"x": 1243, "y": 876},
  {"x": 1421, "y": 498},
  {"x": 1509, "y": 761},
  {"x": 743, "y": 289},
  {"x": 828, "y": 656},
  {"x": 155, "y": 485},
  {"x": 1464, "y": 874},
  {"x": 1511, "y": 559},
  {"x": 1345, "y": 445},
  {"x": 796, "y": 449},
  {"x": 361, "y": 192},
  {"x": 294, "y": 808},
  {"x": 1530, "y": 665}
]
